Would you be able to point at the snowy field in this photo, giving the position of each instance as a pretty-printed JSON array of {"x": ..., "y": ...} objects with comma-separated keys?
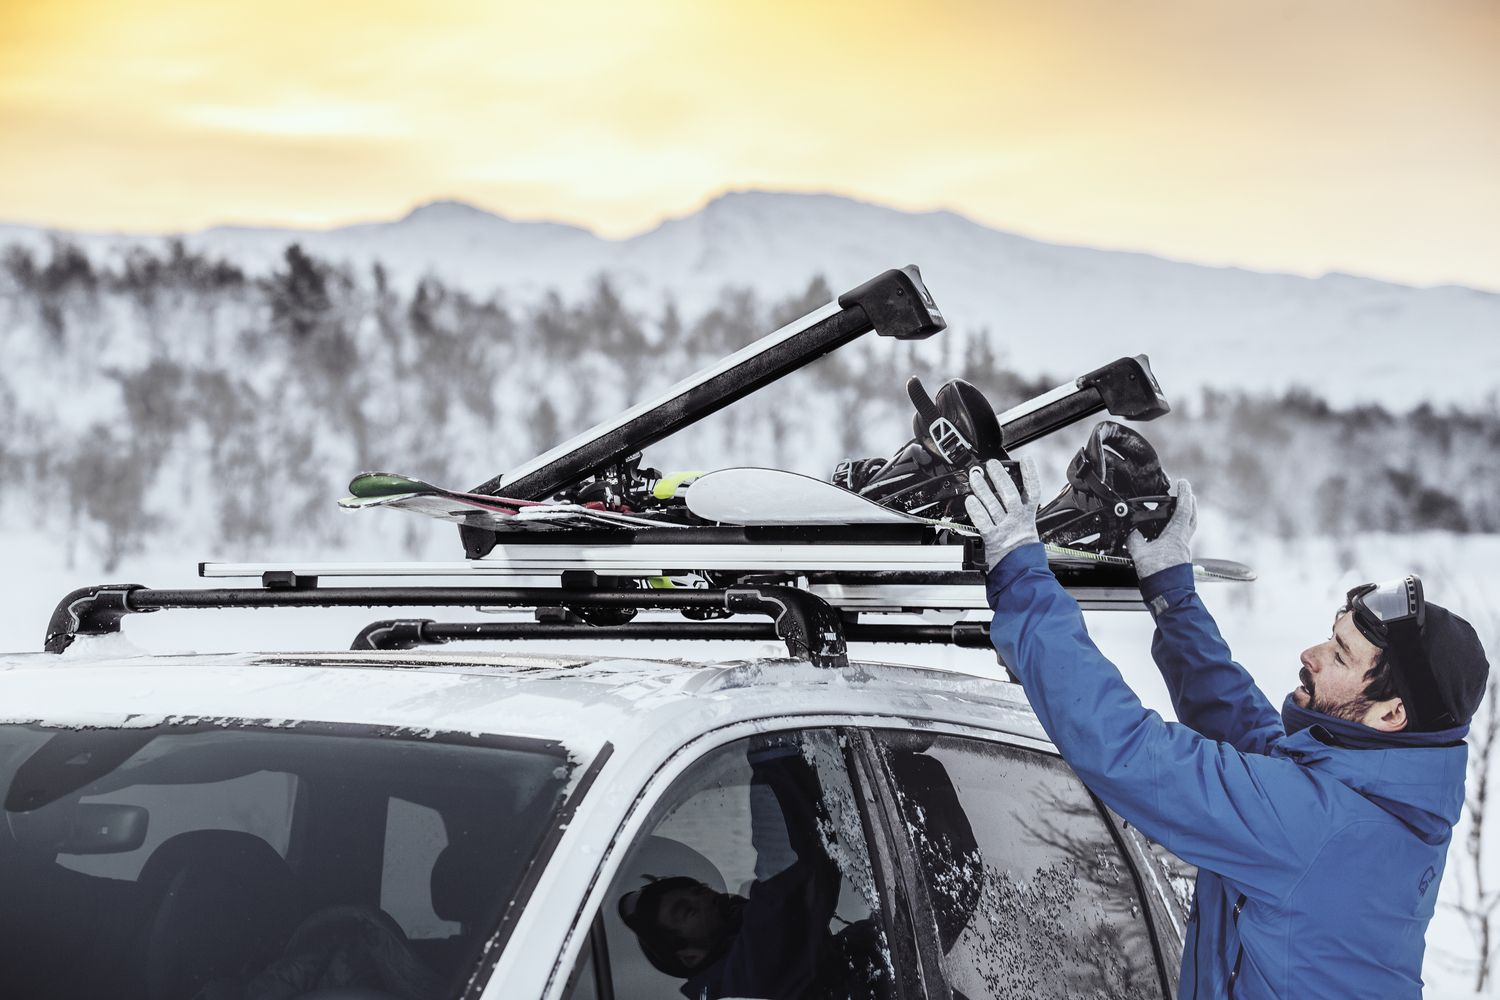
[{"x": 1268, "y": 623}]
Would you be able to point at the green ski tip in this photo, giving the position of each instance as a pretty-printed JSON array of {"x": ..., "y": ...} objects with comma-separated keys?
[{"x": 376, "y": 485}]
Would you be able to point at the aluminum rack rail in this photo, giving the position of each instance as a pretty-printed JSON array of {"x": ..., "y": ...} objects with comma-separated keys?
[{"x": 848, "y": 576}]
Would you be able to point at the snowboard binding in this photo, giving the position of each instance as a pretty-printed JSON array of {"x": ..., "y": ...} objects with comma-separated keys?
[
  {"x": 627, "y": 488},
  {"x": 1115, "y": 485},
  {"x": 928, "y": 475}
]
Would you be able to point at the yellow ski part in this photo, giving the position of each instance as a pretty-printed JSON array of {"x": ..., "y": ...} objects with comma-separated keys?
[{"x": 667, "y": 486}]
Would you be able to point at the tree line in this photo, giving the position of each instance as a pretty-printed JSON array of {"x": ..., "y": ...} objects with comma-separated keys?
[{"x": 170, "y": 395}]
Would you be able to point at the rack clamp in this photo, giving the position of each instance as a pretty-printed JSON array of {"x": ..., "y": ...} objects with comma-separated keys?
[
  {"x": 397, "y": 633},
  {"x": 91, "y": 611},
  {"x": 287, "y": 580}
]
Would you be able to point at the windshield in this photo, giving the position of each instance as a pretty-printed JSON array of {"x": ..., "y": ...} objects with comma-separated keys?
[{"x": 248, "y": 863}]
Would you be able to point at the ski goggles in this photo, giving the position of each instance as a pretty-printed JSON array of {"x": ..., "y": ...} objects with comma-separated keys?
[{"x": 1391, "y": 615}]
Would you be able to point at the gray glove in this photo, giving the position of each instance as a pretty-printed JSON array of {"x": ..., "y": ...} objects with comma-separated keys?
[
  {"x": 1172, "y": 546},
  {"x": 1006, "y": 521}
]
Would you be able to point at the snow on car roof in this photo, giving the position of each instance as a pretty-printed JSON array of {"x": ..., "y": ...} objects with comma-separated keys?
[{"x": 581, "y": 701}]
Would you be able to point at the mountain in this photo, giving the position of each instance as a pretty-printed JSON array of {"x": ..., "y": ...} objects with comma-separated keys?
[{"x": 1046, "y": 308}]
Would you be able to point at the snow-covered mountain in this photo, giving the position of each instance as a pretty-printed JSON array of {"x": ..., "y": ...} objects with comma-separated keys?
[{"x": 1047, "y": 308}]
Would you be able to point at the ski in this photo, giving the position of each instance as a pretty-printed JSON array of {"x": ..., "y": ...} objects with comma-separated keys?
[{"x": 389, "y": 489}]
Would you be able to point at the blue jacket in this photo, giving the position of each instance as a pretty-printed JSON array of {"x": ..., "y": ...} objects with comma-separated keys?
[{"x": 1319, "y": 863}]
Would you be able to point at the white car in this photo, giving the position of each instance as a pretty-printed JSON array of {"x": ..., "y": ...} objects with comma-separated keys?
[{"x": 390, "y": 824}]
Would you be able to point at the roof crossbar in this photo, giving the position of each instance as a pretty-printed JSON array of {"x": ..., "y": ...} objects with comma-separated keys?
[
  {"x": 810, "y": 628},
  {"x": 409, "y": 633}
]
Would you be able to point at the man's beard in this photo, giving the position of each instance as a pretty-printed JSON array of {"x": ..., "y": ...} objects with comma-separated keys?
[{"x": 1353, "y": 710}]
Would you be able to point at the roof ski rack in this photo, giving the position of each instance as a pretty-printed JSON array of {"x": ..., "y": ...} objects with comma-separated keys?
[
  {"x": 894, "y": 304},
  {"x": 810, "y": 628}
]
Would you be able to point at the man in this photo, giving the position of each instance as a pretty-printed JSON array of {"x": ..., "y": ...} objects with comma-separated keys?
[{"x": 1319, "y": 832}]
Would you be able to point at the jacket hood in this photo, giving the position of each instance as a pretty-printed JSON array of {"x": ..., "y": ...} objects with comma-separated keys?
[{"x": 1416, "y": 777}]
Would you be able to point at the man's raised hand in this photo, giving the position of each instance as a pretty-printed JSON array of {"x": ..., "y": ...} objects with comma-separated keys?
[
  {"x": 1173, "y": 546},
  {"x": 1005, "y": 516}
]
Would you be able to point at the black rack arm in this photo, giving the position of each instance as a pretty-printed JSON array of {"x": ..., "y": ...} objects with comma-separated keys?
[
  {"x": 409, "y": 633},
  {"x": 1126, "y": 388},
  {"x": 810, "y": 628}
]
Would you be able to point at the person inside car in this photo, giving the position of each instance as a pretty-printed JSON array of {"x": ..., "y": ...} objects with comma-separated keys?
[
  {"x": 773, "y": 943},
  {"x": 346, "y": 951},
  {"x": 1320, "y": 831}
]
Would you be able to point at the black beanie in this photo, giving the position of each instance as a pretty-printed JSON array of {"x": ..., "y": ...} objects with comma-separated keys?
[
  {"x": 1459, "y": 668},
  {"x": 638, "y": 910}
]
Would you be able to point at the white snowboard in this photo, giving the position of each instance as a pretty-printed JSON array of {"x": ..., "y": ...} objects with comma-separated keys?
[
  {"x": 778, "y": 497},
  {"x": 775, "y": 496}
]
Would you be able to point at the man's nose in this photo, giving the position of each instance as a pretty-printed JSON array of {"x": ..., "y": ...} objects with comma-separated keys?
[{"x": 1309, "y": 661}]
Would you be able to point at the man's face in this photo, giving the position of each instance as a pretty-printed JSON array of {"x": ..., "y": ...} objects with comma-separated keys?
[
  {"x": 1333, "y": 679},
  {"x": 696, "y": 915}
]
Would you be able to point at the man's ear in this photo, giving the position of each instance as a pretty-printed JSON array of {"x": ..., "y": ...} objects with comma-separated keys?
[{"x": 1387, "y": 716}]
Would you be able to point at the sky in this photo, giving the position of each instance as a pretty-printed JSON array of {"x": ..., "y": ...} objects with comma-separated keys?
[{"x": 1289, "y": 135}]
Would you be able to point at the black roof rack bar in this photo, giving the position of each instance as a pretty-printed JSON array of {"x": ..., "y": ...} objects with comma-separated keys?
[
  {"x": 807, "y": 624},
  {"x": 409, "y": 633},
  {"x": 1126, "y": 388}
]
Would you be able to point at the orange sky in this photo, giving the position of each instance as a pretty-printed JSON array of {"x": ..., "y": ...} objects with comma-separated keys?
[{"x": 1304, "y": 135}]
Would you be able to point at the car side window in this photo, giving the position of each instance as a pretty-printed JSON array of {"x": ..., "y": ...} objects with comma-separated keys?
[
  {"x": 1030, "y": 894},
  {"x": 753, "y": 879}
]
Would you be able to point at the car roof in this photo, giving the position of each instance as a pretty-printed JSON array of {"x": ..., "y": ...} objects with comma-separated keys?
[{"x": 581, "y": 701}]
